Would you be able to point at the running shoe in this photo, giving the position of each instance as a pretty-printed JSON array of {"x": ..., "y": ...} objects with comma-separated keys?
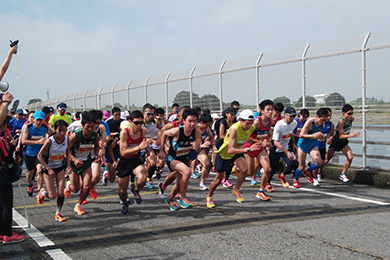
[
  {"x": 210, "y": 202},
  {"x": 296, "y": 184},
  {"x": 344, "y": 178},
  {"x": 158, "y": 174},
  {"x": 315, "y": 182},
  {"x": 184, "y": 203},
  {"x": 93, "y": 193},
  {"x": 308, "y": 175},
  {"x": 238, "y": 196},
  {"x": 104, "y": 179},
  {"x": 41, "y": 197},
  {"x": 125, "y": 208},
  {"x": 319, "y": 179},
  {"x": 59, "y": 218},
  {"x": 214, "y": 169},
  {"x": 13, "y": 239},
  {"x": 202, "y": 186},
  {"x": 30, "y": 189},
  {"x": 194, "y": 175},
  {"x": 150, "y": 184},
  {"x": 283, "y": 181},
  {"x": 227, "y": 184},
  {"x": 67, "y": 190},
  {"x": 262, "y": 196},
  {"x": 78, "y": 210},
  {"x": 258, "y": 173},
  {"x": 137, "y": 197},
  {"x": 178, "y": 197},
  {"x": 171, "y": 204},
  {"x": 84, "y": 202},
  {"x": 161, "y": 190},
  {"x": 236, "y": 170},
  {"x": 253, "y": 181},
  {"x": 269, "y": 188}
]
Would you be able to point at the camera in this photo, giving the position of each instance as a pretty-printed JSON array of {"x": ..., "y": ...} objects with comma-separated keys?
[{"x": 13, "y": 43}]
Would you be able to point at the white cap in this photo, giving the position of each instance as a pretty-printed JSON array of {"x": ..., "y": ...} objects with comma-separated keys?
[
  {"x": 215, "y": 115},
  {"x": 247, "y": 114}
]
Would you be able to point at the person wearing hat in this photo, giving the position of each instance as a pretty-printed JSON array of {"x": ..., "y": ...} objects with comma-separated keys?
[
  {"x": 34, "y": 136},
  {"x": 61, "y": 114},
  {"x": 282, "y": 135},
  {"x": 17, "y": 122},
  {"x": 232, "y": 151}
]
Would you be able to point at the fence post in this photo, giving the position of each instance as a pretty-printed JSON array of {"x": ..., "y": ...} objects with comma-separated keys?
[
  {"x": 220, "y": 86},
  {"x": 99, "y": 98},
  {"x": 364, "y": 107},
  {"x": 128, "y": 95},
  {"x": 190, "y": 77},
  {"x": 74, "y": 103},
  {"x": 166, "y": 93},
  {"x": 258, "y": 79},
  {"x": 112, "y": 95},
  {"x": 146, "y": 89},
  {"x": 304, "y": 76},
  {"x": 84, "y": 104}
]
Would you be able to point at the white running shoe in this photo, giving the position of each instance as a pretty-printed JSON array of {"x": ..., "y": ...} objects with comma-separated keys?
[
  {"x": 315, "y": 182},
  {"x": 344, "y": 178},
  {"x": 202, "y": 186},
  {"x": 319, "y": 177}
]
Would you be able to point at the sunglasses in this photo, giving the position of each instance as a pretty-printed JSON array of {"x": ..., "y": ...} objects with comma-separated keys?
[
  {"x": 160, "y": 117},
  {"x": 138, "y": 122},
  {"x": 149, "y": 114},
  {"x": 350, "y": 113}
]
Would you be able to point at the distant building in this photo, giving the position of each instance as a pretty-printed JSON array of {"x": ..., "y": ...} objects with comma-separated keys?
[
  {"x": 368, "y": 100},
  {"x": 320, "y": 98}
]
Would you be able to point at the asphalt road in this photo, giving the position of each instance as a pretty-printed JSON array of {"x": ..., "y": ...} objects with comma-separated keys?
[{"x": 333, "y": 221}]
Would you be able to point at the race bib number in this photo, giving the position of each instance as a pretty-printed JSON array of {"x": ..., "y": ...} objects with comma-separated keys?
[
  {"x": 36, "y": 137},
  {"x": 183, "y": 151},
  {"x": 85, "y": 148},
  {"x": 287, "y": 136},
  {"x": 55, "y": 157}
]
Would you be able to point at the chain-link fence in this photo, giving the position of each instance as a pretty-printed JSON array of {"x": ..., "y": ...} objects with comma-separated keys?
[{"x": 354, "y": 71}]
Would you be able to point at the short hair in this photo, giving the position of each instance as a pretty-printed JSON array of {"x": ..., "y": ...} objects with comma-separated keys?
[
  {"x": 198, "y": 109},
  {"x": 346, "y": 108},
  {"x": 77, "y": 115},
  {"x": 322, "y": 112},
  {"x": 266, "y": 102},
  {"x": 304, "y": 112},
  {"x": 235, "y": 103},
  {"x": 329, "y": 109},
  {"x": 278, "y": 107},
  {"x": 86, "y": 118},
  {"x": 189, "y": 112},
  {"x": 205, "y": 118},
  {"x": 46, "y": 110},
  {"x": 94, "y": 114},
  {"x": 136, "y": 114},
  {"x": 60, "y": 123},
  {"x": 148, "y": 105},
  {"x": 159, "y": 110},
  {"x": 206, "y": 111},
  {"x": 115, "y": 109},
  {"x": 175, "y": 105}
]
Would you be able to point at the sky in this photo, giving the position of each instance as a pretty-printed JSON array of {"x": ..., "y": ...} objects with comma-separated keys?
[{"x": 71, "y": 46}]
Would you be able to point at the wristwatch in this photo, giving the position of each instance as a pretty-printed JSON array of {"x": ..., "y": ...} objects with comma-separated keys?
[{"x": 247, "y": 149}]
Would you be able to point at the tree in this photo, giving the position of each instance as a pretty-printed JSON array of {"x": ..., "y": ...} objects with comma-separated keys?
[
  {"x": 335, "y": 99},
  {"x": 34, "y": 100},
  {"x": 310, "y": 102},
  {"x": 183, "y": 98},
  {"x": 209, "y": 101},
  {"x": 284, "y": 100}
]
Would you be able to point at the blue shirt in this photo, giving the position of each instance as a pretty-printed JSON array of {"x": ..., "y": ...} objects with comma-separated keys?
[
  {"x": 16, "y": 125},
  {"x": 35, "y": 134},
  {"x": 326, "y": 131}
]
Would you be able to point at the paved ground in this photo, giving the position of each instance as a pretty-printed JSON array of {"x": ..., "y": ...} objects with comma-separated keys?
[{"x": 333, "y": 221}]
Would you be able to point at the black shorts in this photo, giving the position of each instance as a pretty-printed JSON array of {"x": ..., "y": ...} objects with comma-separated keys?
[
  {"x": 31, "y": 162},
  {"x": 322, "y": 152},
  {"x": 127, "y": 166},
  {"x": 338, "y": 145},
  {"x": 221, "y": 164},
  {"x": 56, "y": 170}
]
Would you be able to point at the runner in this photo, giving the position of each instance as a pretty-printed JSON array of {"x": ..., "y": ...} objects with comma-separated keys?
[
  {"x": 340, "y": 142},
  {"x": 132, "y": 142},
  {"x": 301, "y": 120},
  {"x": 181, "y": 140},
  {"x": 282, "y": 139},
  {"x": 61, "y": 114},
  {"x": 260, "y": 157},
  {"x": 83, "y": 144},
  {"x": 52, "y": 156},
  {"x": 231, "y": 151},
  {"x": 34, "y": 136},
  {"x": 328, "y": 130},
  {"x": 277, "y": 114},
  {"x": 307, "y": 144}
]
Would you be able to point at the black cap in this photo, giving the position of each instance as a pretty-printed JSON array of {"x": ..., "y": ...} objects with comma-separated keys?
[
  {"x": 231, "y": 110},
  {"x": 290, "y": 111},
  {"x": 62, "y": 106}
]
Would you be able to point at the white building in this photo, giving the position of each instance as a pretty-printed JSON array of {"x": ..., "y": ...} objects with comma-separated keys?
[{"x": 320, "y": 98}]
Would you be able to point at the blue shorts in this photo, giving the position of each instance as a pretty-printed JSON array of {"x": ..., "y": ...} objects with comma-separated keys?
[{"x": 307, "y": 145}]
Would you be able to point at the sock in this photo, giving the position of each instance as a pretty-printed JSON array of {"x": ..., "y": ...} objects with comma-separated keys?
[
  {"x": 312, "y": 167},
  {"x": 260, "y": 191},
  {"x": 151, "y": 171},
  {"x": 297, "y": 173},
  {"x": 60, "y": 202}
]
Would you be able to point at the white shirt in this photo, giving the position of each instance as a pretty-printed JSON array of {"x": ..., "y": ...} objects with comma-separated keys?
[{"x": 283, "y": 132}]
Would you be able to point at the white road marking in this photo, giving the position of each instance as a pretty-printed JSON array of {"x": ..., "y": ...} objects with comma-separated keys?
[{"x": 39, "y": 238}]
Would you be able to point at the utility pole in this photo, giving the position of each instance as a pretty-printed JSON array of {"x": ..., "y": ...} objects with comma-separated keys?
[{"x": 47, "y": 93}]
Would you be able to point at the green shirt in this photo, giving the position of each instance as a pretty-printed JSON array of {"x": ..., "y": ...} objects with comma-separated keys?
[
  {"x": 241, "y": 138},
  {"x": 54, "y": 118}
]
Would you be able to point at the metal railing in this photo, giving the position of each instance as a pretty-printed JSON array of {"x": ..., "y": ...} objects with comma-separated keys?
[{"x": 347, "y": 67}]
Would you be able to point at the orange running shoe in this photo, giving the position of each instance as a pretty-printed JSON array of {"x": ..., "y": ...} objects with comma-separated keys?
[
  {"x": 41, "y": 198},
  {"x": 269, "y": 188},
  {"x": 93, "y": 193},
  {"x": 284, "y": 182},
  {"x": 262, "y": 196},
  {"x": 78, "y": 210},
  {"x": 67, "y": 190},
  {"x": 59, "y": 218}
]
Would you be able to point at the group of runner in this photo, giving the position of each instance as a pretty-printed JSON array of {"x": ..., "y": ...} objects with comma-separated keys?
[{"x": 134, "y": 150}]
